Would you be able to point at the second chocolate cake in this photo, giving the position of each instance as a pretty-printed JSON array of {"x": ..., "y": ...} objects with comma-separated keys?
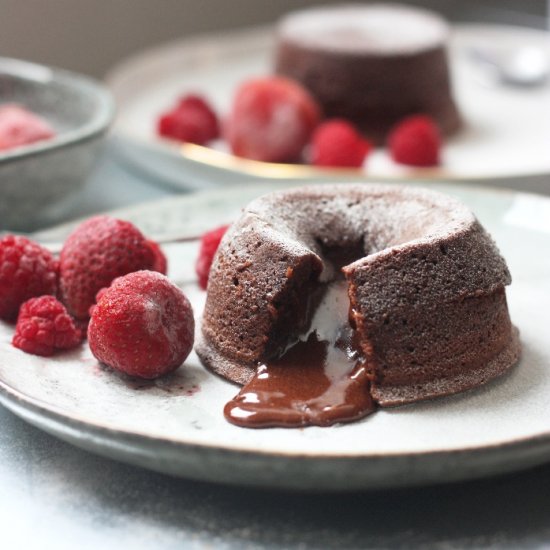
[{"x": 371, "y": 64}]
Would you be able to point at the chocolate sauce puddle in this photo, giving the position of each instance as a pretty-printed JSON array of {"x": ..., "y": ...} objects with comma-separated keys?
[
  {"x": 312, "y": 384},
  {"x": 317, "y": 382}
]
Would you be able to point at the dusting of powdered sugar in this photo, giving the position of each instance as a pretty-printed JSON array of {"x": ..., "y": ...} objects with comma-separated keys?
[
  {"x": 411, "y": 239},
  {"x": 375, "y": 28},
  {"x": 387, "y": 215}
]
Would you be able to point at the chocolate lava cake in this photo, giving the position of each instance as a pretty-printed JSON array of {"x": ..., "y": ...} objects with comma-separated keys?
[
  {"x": 371, "y": 64},
  {"x": 425, "y": 281}
]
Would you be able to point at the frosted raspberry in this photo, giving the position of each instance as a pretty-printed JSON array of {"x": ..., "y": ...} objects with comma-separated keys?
[
  {"x": 44, "y": 326},
  {"x": 271, "y": 120},
  {"x": 99, "y": 250},
  {"x": 26, "y": 270},
  {"x": 210, "y": 242},
  {"x": 337, "y": 143},
  {"x": 415, "y": 141},
  {"x": 192, "y": 120},
  {"x": 142, "y": 325}
]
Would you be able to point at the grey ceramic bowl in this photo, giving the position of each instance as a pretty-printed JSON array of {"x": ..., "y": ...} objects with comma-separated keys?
[{"x": 37, "y": 179}]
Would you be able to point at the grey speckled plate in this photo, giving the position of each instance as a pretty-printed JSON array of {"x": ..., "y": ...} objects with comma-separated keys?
[{"x": 176, "y": 425}]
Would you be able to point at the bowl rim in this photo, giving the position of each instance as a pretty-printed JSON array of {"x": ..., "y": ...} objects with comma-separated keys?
[{"x": 96, "y": 125}]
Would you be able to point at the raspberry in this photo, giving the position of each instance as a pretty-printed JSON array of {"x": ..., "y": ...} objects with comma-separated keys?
[
  {"x": 193, "y": 101},
  {"x": 210, "y": 242},
  {"x": 271, "y": 120},
  {"x": 142, "y": 325},
  {"x": 26, "y": 270},
  {"x": 99, "y": 250},
  {"x": 21, "y": 127},
  {"x": 192, "y": 120},
  {"x": 415, "y": 141},
  {"x": 160, "y": 263},
  {"x": 337, "y": 143},
  {"x": 44, "y": 326}
]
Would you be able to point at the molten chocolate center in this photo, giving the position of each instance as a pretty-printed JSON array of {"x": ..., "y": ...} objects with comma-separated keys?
[{"x": 318, "y": 381}]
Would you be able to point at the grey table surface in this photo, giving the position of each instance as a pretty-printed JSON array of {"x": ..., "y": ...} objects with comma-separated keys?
[{"x": 55, "y": 496}]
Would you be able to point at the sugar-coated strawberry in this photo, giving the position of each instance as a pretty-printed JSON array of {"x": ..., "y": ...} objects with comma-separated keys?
[
  {"x": 337, "y": 143},
  {"x": 18, "y": 126},
  {"x": 99, "y": 250},
  {"x": 192, "y": 120},
  {"x": 142, "y": 325},
  {"x": 26, "y": 270},
  {"x": 210, "y": 242},
  {"x": 271, "y": 120},
  {"x": 415, "y": 141},
  {"x": 44, "y": 326}
]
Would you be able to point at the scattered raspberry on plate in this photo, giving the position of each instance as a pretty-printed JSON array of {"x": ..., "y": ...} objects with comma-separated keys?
[
  {"x": 44, "y": 326},
  {"x": 415, "y": 141},
  {"x": 97, "y": 251},
  {"x": 192, "y": 120},
  {"x": 142, "y": 325},
  {"x": 336, "y": 143},
  {"x": 210, "y": 242},
  {"x": 18, "y": 127},
  {"x": 26, "y": 270}
]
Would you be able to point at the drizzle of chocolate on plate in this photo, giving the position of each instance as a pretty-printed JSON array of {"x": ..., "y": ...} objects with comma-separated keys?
[{"x": 318, "y": 381}]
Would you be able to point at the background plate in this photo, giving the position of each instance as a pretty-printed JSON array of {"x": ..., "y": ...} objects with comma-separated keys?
[
  {"x": 506, "y": 135},
  {"x": 176, "y": 424}
]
